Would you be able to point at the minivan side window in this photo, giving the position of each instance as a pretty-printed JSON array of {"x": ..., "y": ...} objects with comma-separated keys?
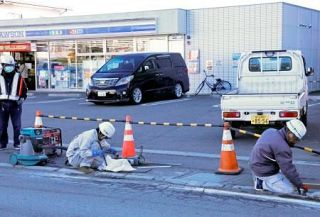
[
  {"x": 148, "y": 65},
  {"x": 177, "y": 60},
  {"x": 163, "y": 62}
]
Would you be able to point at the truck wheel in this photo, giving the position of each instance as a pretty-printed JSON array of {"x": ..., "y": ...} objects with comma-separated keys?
[
  {"x": 233, "y": 132},
  {"x": 304, "y": 119}
]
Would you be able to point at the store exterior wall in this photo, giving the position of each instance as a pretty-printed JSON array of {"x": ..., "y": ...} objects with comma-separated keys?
[
  {"x": 301, "y": 30},
  {"x": 216, "y": 37}
]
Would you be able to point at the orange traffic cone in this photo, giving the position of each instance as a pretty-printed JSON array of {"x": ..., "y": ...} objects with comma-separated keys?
[
  {"x": 228, "y": 159},
  {"x": 128, "y": 146},
  {"x": 38, "y": 120}
]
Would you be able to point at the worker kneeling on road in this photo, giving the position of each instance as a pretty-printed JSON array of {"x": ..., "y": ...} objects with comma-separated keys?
[
  {"x": 87, "y": 150},
  {"x": 271, "y": 159}
]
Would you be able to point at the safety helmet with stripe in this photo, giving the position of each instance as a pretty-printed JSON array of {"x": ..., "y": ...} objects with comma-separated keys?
[
  {"x": 107, "y": 129},
  {"x": 297, "y": 128}
]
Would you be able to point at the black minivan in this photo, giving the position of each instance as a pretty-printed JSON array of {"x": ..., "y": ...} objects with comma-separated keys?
[{"x": 131, "y": 77}]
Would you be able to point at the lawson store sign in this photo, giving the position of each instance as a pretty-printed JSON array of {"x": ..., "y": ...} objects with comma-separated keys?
[{"x": 128, "y": 29}]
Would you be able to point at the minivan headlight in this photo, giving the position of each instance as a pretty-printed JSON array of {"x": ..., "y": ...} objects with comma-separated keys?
[{"x": 124, "y": 80}]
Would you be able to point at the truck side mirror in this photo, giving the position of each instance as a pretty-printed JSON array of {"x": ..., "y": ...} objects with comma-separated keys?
[{"x": 309, "y": 71}]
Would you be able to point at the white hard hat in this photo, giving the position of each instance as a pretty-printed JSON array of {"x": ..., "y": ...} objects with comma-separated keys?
[
  {"x": 297, "y": 128},
  {"x": 107, "y": 129},
  {"x": 7, "y": 59}
]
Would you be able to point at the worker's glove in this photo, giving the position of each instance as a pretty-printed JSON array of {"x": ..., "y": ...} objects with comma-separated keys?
[
  {"x": 111, "y": 151},
  {"x": 304, "y": 189},
  {"x": 98, "y": 153},
  {"x": 20, "y": 101}
]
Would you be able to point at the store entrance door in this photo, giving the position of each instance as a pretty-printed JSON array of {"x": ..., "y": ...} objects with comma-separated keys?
[{"x": 26, "y": 63}]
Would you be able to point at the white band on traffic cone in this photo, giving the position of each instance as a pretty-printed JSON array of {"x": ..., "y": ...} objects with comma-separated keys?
[
  {"x": 127, "y": 126},
  {"x": 128, "y": 138},
  {"x": 227, "y": 135},
  {"x": 227, "y": 147}
]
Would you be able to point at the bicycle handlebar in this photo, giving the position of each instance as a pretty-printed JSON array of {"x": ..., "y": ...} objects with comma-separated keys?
[{"x": 207, "y": 75}]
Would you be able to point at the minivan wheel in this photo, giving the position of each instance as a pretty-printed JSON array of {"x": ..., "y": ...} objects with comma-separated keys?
[
  {"x": 177, "y": 90},
  {"x": 136, "y": 95}
]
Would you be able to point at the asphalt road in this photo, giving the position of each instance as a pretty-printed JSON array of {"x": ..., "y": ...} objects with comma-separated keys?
[{"x": 37, "y": 194}]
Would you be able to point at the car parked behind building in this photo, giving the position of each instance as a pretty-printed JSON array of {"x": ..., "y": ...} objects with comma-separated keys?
[{"x": 131, "y": 77}]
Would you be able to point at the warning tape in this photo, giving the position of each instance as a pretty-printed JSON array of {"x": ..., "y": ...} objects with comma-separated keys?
[
  {"x": 245, "y": 132},
  {"x": 133, "y": 122},
  {"x": 307, "y": 149}
]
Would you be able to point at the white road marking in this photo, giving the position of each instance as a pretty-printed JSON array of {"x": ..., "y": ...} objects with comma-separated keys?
[
  {"x": 216, "y": 106},
  {"x": 52, "y": 101},
  {"x": 216, "y": 156},
  {"x": 314, "y": 104},
  {"x": 85, "y": 103},
  {"x": 248, "y": 195},
  {"x": 165, "y": 102}
]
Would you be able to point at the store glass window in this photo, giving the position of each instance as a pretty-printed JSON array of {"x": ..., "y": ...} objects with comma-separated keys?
[
  {"x": 42, "y": 68},
  {"x": 87, "y": 65},
  {"x": 142, "y": 44},
  {"x": 90, "y": 46},
  {"x": 62, "y": 65},
  {"x": 121, "y": 45}
]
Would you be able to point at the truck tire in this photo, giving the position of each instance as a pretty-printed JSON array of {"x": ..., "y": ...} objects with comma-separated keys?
[
  {"x": 234, "y": 125},
  {"x": 304, "y": 119}
]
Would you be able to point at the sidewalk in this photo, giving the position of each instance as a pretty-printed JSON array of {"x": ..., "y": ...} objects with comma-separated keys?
[{"x": 172, "y": 175}]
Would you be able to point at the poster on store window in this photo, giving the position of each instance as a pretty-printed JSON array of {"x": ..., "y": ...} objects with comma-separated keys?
[
  {"x": 193, "y": 61},
  {"x": 209, "y": 65}
]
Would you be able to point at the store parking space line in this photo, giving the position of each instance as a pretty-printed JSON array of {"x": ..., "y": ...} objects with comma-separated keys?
[
  {"x": 52, "y": 101},
  {"x": 165, "y": 102},
  {"x": 85, "y": 103},
  {"x": 314, "y": 104}
]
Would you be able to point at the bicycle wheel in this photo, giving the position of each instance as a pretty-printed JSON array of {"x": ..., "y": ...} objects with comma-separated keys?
[
  {"x": 199, "y": 88},
  {"x": 223, "y": 87}
]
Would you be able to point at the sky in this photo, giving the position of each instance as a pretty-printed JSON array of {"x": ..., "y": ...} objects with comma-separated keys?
[{"x": 81, "y": 7}]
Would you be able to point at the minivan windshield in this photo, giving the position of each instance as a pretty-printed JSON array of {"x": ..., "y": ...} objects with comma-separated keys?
[{"x": 122, "y": 64}]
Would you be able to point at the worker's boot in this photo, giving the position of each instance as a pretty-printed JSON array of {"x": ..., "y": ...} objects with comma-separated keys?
[
  {"x": 86, "y": 170},
  {"x": 258, "y": 186}
]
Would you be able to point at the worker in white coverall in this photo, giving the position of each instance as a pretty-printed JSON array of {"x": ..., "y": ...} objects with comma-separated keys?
[{"x": 87, "y": 150}]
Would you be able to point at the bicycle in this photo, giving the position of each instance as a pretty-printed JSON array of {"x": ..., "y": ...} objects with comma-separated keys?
[{"x": 218, "y": 85}]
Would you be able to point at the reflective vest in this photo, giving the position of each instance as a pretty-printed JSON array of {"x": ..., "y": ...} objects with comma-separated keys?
[{"x": 14, "y": 88}]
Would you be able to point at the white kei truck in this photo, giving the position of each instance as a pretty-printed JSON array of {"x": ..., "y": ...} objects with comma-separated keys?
[{"x": 272, "y": 89}]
